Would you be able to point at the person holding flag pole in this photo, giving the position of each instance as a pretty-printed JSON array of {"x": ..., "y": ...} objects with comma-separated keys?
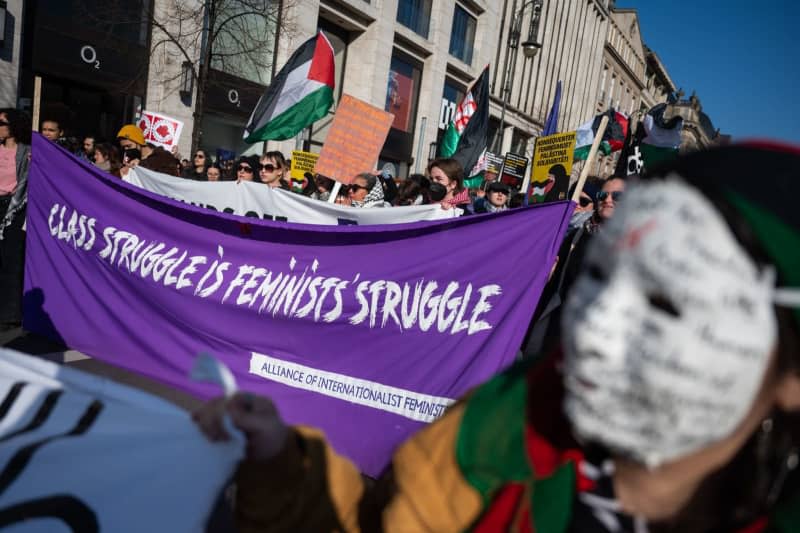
[{"x": 671, "y": 404}]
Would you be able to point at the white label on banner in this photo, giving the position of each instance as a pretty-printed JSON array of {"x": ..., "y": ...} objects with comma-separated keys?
[{"x": 410, "y": 404}]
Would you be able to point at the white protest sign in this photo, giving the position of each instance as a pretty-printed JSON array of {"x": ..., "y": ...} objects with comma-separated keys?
[
  {"x": 258, "y": 200},
  {"x": 82, "y": 453},
  {"x": 159, "y": 129}
]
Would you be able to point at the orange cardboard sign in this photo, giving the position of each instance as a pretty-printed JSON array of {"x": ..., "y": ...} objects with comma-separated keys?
[{"x": 355, "y": 140}]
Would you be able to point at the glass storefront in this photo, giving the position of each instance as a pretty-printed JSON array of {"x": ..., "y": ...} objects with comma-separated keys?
[
  {"x": 402, "y": 95},
  {"x": 93, "y": 59}
]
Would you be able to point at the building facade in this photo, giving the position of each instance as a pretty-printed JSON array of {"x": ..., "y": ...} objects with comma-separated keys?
[
  {"x": 10, "y": 52},
  {"x": 698, "y": 131},
  {"x": 624, "y": 77},
  {"x": 572, "y": 33},
  {"x": 415, "y": 58},
  {"x": 623, "y": 81},
  {"x": 92, "y": 65},
  {"x": 436, "y": 49},
  {"x": 659, "y": 85}
]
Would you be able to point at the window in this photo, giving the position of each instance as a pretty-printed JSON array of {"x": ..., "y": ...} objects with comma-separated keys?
[
  {"x": 126, "y": 21},
  {"x": 414, "y": 15},
  {"x": 338, "y": 38},
  {"x": 611, "y": 89},
  {"x": 463, "y": 35},
  {"x": 603, "y": 84},
  {"x": 519, "y": 142},
  {"x": 244, "y": 45},
  {"x": 401, "y": 93}
]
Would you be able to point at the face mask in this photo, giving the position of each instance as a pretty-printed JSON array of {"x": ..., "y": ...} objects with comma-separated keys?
[
  {"x": 668, "y": 331},
  {"x": 437, "y": 191}
]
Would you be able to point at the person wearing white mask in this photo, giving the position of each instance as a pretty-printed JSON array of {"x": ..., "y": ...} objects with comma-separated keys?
[{"x": 672, "y": 404}]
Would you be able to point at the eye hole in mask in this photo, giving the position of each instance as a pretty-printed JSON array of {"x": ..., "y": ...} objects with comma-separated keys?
[
  {"x": 662, "y": 303},
  {"x": 595, "y": 272}
]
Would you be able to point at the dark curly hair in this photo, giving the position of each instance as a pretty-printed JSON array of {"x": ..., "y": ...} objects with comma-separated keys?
[{"x": 19, "y": 124}]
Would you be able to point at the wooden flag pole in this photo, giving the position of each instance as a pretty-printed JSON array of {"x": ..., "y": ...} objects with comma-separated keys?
[
  {"x": 37, "y": 102},
  {"x": 590, "y": 159}
]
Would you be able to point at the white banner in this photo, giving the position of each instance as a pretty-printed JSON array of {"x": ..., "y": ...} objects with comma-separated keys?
[
  {"x": 82, "y": 453},
  {"x": 404, "y": 402},
  {"x": 258, "y": 200}
]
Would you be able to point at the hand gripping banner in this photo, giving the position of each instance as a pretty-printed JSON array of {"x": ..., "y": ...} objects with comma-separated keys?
[{"x": 367, "y": 332}]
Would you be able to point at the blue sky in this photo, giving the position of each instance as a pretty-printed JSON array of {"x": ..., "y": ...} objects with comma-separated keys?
[{"x": 742, "y": 58}]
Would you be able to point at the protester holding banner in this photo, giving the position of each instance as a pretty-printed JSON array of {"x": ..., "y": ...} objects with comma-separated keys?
[
  {"x": 448, "y": 173},
  {"x": 246, "y": 168},
  {"x": 365, "y": 191},
  {"x": 214, "y": 172},
  {"x": 389, "y": 186},
  {"x": 586, "y": 201},
  {"x": 130, "y": 136},
  {"x": 106, "y": 157},
  {"x": 15, "y": 157},
  {"x": 198, "y": 167},
  {"x": 496, "y": 198},
  {"x": 158, "y": 159},
  {"x": 414, "y": 190},
  {"x": 272, "y": 170},
  {"x": 674, "y": 406},
  {"x": 547, "y": 317},
  {"x": 322, "y": 187}
]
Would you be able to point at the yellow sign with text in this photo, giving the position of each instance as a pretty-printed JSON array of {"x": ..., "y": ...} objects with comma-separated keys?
[
  {"x": 302, "y": 162},
  {"x": 552, "y": 164}
]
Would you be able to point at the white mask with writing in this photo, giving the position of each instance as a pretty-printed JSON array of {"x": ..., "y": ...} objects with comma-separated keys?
[{"x": 668, "y": 331}]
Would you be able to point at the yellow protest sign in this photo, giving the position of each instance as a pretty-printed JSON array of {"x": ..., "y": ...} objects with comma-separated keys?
[
  {"x": 302, "y": 162},
  {"x": 552, "y": 164}
]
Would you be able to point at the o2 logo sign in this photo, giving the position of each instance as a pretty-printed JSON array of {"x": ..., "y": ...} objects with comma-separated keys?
[
  {"x": 233, "y": 97},
  {"x": 89, "y": 56}
]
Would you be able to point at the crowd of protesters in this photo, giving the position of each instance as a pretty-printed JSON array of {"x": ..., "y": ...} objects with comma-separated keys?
[
  {"x": 619, "y": 422},
  {"x": 443, "y": 184},
  {"x": 615, "y": 334}
]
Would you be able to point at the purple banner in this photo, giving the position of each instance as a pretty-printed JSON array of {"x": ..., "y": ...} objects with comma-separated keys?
[{"x": 367, "y": 332}]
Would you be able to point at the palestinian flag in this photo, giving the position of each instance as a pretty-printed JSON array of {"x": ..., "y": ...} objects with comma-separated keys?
[
  {"x": 613, "y": 138},
  {"x": 300, "y": 94},
  {"x": 662, "y": 138},
  {"x": 466, "y": 138}
]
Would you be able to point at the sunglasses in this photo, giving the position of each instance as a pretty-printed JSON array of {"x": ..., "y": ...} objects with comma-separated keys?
[
  {"x": 615, "y": 195},
  {"x": 242, "y": 168},
  {"x": 199, "y": 156},
  {"x": 268, "y": 167},
  {"x": 585, "y": 201},
  {"x": 3, "y": 123},
  {"x": 355, "y": 187}
]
